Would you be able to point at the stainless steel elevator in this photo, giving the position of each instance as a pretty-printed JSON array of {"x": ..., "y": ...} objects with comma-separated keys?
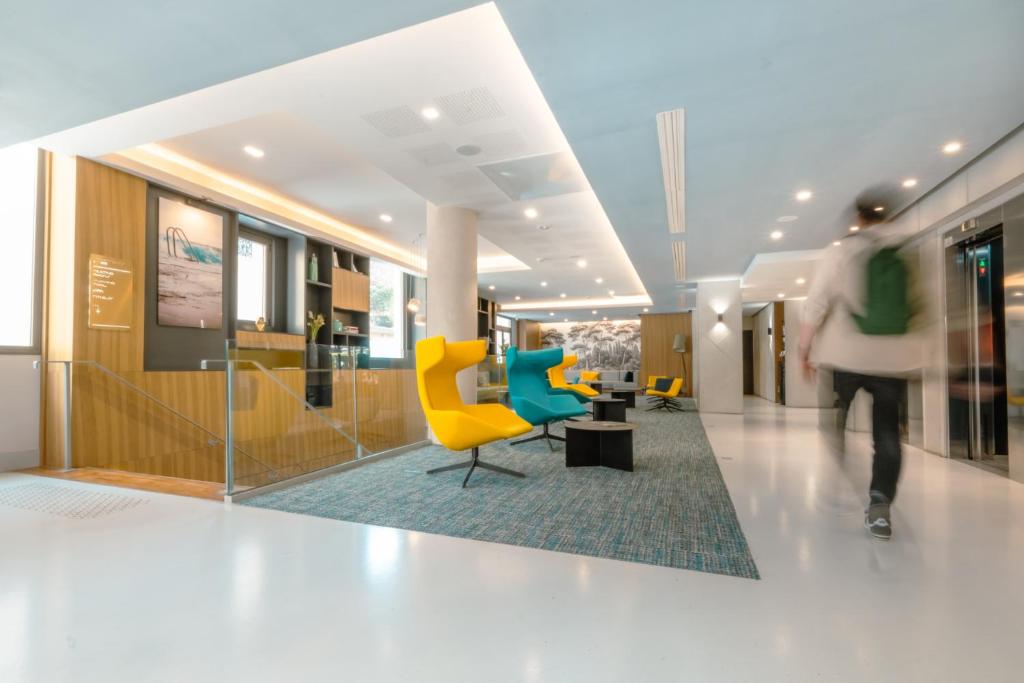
[{"x": 984, "y": 306}]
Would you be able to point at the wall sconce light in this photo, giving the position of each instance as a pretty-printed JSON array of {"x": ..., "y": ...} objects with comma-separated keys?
[{"x": 721, "y": 317}]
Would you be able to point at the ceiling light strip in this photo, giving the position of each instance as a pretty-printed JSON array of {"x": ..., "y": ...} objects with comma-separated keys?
[{"x": 672, "y": 143}]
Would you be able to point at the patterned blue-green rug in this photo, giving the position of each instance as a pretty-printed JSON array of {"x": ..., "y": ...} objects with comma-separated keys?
[{"x": 673, "y": 510}]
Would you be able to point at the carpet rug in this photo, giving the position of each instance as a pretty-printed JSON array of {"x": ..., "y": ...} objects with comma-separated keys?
[{"x": 673, "y": 510}]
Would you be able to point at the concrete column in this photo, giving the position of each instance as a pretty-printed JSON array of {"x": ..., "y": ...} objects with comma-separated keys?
[
  {"x": 719, "y": 347},
  {"x": 451, "y": 281}
]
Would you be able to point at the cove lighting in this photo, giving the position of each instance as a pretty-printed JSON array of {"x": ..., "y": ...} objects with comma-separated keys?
[
  {"x": 776, "y": 234},
  {"x": 386, "y": 218},
  {"x": 952, "y": 147},
  {"x": 530, "y": 212},
  {"x": 430, "y": 113},
  {"x": 254, "y": 152},
  {"x": 582, "y": 263},
  {"x": 804, "y": 195},
  {"x": 910, "y": 182}
]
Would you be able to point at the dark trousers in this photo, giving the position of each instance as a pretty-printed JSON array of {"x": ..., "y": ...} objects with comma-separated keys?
[{"x": 886, "y": 393}]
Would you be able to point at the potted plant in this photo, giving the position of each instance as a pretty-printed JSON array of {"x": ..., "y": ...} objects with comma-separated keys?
[{"x": 313, "y": 324}]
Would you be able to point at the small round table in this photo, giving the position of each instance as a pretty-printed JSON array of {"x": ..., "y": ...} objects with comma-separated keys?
[
  {"x": 596, "y": 386},
  {"x": 627, "y": 395},
  {"x": 609, "y": 409},
  {"x": 608, "y": 444}
]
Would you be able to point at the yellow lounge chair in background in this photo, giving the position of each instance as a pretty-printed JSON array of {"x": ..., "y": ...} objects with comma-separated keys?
[{"x": 665, "y": 390}]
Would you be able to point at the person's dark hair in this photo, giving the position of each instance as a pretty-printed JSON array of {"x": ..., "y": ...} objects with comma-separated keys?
[{"x": 874, "y": 205}]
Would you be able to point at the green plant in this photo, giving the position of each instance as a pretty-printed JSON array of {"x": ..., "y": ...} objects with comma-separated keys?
[{"x": 314, "y": 324}]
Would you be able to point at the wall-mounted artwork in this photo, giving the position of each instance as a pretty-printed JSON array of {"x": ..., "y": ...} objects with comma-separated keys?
[
  {"x": 190, "y": 265},
  {"x": 600, "y": 345}
]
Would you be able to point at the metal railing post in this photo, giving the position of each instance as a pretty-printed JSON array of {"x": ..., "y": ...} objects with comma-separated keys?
[
  {"x": 353, "y": 361},
  {"x": 67, "y": 416},
  {"x": 229, "y": 427}
]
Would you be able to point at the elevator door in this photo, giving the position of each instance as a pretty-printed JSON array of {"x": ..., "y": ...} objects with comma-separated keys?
[{"x": 977, "y": 350}]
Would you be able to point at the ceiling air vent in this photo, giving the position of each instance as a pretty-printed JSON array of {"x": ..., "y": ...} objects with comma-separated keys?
[
  {"x": 679, "y": 260},
  {"x": 672, "y": 142}
]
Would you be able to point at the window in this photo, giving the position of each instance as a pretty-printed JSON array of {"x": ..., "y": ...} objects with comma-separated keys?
[
  {"x": 19, "y": 234},
  {"x": 387, "y": 310},
  {"x": 502, "y": 334},
  {"x": 254, "y": 288}
]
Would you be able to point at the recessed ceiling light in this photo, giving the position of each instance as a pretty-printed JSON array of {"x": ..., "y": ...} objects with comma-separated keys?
[
  {"x": 598, "y": 280},
  {"x": 543, "y": 227},
  {"x": 530, "y": 212},
  {"x": 565, "y": 320},
  {"x": 490, "y": 287},
  {"x": 562, "y": 295},
  {"x": 804, "y": 195},
  {"x": 776, "y": 234},
  {"x": 518, "y": 297},
  {"x": 551, "y": 313},
  {"x": 800, "y": 280},
  {"x": 254, "y": 152},
  {"x": 785, "y": 219},
  {"x": 543, "y": 283},
  {"x": 879, "y": 209},
  {"x": 952, "y": 147},
  {"x": 604, "y": 318},
  {"x": 611, "y": 292},
  {"x": 386, "y": 217},
  {"x": 910, "y": 182},
  {"x": 1018, "y": 293},
  {"x": 836, "y": 243},
  {"x": 594, "y": 312},
  {"x": 781, "y": 295},
  {"x": 581, "y": 263},
  {"x": 429, "y": 113},
  {"x": 854, "y": 228},
  {"x": 645, "y": 310}
]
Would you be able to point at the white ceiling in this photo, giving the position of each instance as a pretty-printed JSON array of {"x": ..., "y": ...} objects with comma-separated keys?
[
  {"x": 778, "y": 96},
  {"x": 777, "y": 273}
]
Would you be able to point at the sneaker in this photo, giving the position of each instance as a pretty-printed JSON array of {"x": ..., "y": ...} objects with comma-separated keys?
[{"x": 877, "y": 521}]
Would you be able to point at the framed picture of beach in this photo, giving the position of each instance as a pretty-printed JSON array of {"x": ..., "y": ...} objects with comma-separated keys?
[{"x": 190, "y": 266}]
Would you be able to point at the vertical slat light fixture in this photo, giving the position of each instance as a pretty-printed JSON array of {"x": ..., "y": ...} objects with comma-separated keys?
[{"x": 672, "y": 142}]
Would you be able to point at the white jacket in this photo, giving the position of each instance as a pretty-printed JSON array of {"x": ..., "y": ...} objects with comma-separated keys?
[{"x": 838, "y": 291}]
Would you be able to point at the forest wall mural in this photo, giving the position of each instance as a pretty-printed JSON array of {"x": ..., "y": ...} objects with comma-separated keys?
[{"x": 599, "y": 345}]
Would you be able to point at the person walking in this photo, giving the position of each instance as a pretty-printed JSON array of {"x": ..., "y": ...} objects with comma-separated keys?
[{"x": 857, "y": 321}]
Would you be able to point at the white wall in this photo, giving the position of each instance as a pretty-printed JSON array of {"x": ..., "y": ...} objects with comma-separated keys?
[
  {"x": 19, "y": 413},
  {"x": 801, "y": 392},
  {"x": 718, "y": 352}
]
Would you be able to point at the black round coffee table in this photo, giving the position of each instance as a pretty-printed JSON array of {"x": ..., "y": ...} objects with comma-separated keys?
[
  {"x": 608, "y": 444},
  {"x": 609, "y": 409},
  {"x": 627, "y": 395}
]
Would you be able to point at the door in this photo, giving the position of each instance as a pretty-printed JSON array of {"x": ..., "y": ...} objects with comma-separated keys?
[{"x": 976, "y": 328}]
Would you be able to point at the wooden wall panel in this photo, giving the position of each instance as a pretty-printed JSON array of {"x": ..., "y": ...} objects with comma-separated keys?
[
  {"x": 110, "y": 219},
  {"x": 657, "y": 332},
  {"x": 350, "y": 290}
]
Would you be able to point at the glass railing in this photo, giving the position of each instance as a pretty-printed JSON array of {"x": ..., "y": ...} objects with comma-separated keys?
[
  {"x": 138, "y": 422},
  {"x": 308, "y": 410},
  {"x": 492, "y": 380}
]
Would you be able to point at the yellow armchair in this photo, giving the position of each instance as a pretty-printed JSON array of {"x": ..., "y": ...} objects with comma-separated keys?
[
  {"x": 458, "y": 425},
  {"x": 556, "y": 376},
  {"x": 665, "y": 399},
  {"x": 589, "y": 375}
]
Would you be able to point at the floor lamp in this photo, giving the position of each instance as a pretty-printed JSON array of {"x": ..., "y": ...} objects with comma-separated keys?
[{"x": 679, "y": 346}]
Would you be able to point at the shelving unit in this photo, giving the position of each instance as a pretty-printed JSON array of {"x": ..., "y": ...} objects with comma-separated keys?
[
  {"x": 486, "y": 313},
  {"x": 350, "y": 300},
  {"x": 318, "y": 301}
]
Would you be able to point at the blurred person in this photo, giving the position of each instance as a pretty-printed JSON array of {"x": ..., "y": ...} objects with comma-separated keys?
[{"x": 857, "y": 322}]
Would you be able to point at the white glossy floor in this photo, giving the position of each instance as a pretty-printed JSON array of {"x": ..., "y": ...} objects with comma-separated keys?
[{"x": 187, "y": 590}]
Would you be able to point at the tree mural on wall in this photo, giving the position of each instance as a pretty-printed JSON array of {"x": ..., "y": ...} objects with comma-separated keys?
[{"x": 600, "y": 345}]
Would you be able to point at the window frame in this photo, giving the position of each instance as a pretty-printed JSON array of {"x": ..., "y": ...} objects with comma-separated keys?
[
  {"x": 270, "y": 295},
  {"x": 40, "y": 247}
]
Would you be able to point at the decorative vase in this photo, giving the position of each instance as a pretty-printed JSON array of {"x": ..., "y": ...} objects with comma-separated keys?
[
  {"x": 312, "y": 356},
  {"x": 314, "y": 270}
]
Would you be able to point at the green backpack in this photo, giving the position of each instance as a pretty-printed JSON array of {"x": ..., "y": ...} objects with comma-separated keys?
[{"x": 887, "y": 309}]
